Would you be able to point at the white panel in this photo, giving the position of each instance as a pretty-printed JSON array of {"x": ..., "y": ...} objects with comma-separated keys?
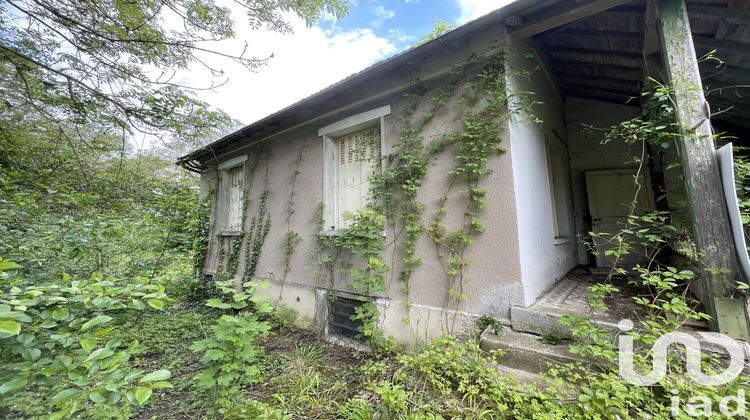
[
  {"x": 726, "y": 169},
  {"x": 233, "y": 162},
  {"x": 234, "y": 209},
  {"x": 357, "y": 157},
  {"x": 355, "y": 120}
]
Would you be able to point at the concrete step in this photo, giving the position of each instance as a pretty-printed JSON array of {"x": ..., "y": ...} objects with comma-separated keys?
[
  {"x": 527, "y": 352},
  {"x": 543, "y": 321}
]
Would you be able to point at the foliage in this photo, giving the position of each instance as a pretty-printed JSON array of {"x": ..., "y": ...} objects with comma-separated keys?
[
  {"x": 364, "y": 239},
  {"x": 200, "y": 229},
  {"x": 742, "y": 178},
  {"x": 485, "y": 321},
  {"x": 665, "y": 309},
  {"x": 231, "y": 354},
  {"x": 54, "y": 335},
  {"x": 291, "y": 237},
  {"x": 126, "y": 217},
  {"x": 484, "y": 104},
  {"x": 90, "y": 64},
  {"x": 260, "y": 225},
  {"x": 440, "y": 28}
]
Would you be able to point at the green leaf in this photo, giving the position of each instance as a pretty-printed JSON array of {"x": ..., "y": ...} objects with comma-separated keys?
[
  {"x": 60, "y": 314},
  {"x": 88, "y": 344},
  {"x": 159, "y": 375},
  {"x": 10, "y": 327},
  {"x": 6, "y": 265},
  {"x": 142, "y": 394},
  {"x": 101, "y": 353},
  {"x": 99, "y": 320},
  {"x": 66, "y": 394},
  {"x": 13, "y": 385},
  {"x": 217, "y": 303},
  {"x": 161, "y": 384},
  {"x": 156, "y": 303},
  {"x": 97, "y": 397}
]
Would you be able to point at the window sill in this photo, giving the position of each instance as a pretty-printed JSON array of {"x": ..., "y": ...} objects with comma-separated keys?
[
  {"x": 340, "y": 231},
  {"x": 230, "y": 233},
  {"x": 562, "y": 241}
]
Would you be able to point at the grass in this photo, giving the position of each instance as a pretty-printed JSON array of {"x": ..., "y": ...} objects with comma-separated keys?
[{"x": 303, "y": 376}]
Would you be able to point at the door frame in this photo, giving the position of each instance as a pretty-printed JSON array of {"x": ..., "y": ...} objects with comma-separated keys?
[{"x": 645, "y": 185}]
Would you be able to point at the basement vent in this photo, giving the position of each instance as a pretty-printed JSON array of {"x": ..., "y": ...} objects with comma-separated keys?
[{"x": 340, "y": 313}]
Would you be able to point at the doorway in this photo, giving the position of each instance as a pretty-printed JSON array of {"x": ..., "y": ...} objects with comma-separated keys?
[{"x": 612, "y": 195}]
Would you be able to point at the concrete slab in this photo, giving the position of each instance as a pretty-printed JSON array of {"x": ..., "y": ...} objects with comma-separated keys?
[{"x": 527, "y": 352}]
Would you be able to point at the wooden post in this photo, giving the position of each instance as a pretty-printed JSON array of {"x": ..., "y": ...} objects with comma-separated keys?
[{"x": 704, "y": 191}]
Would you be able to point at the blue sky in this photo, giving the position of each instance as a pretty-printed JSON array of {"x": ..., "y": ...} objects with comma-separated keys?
[{"x": 402, "y": 22}]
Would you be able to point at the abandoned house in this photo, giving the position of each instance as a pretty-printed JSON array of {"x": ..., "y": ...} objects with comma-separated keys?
[{"x": 541, "y": 79}]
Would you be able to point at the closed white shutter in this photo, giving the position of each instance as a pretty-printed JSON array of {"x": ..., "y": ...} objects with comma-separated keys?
[
  {"x": 358, "y": 156},
  {"x": 234, "y": 209}
]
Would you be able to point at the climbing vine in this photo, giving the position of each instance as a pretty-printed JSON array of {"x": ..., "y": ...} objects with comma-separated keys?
[
  {"x": 201, "y": 227},
  {"x": 291, "y": 238},
  {"x": 485, "y": 104},
  {"x": 260, "y": 225}
]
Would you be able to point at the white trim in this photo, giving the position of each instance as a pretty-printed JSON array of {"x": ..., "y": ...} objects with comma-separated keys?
[
  {"x": 355, "y": 120},
  {"x": 231, "y": 163},
  {"x": 329, "y": 135},
  {"x": 562, "y": 240}
]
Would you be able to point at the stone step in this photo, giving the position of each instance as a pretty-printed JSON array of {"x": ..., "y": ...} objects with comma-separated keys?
[
  {"x": 527, "y": 352},
  {"x": 543, "y": 321}
]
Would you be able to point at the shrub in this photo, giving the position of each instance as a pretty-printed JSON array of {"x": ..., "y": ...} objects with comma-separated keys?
[{"x": 54, "y": 336}]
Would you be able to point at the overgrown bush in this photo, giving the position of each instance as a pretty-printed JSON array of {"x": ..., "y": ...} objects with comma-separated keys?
[
  {"x": 54, "y": 338},
  {"x": 231, "y": 354}
]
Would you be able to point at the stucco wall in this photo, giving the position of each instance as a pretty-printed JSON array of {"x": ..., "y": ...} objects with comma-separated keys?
[
  {"x": 543, "y": 259},
  {"x": 493, "y": 279}
]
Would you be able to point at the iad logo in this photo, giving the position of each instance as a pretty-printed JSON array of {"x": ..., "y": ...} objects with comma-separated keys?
[
  {"x": 696, "y": 405},
  {"x": 693, "y": 357}
]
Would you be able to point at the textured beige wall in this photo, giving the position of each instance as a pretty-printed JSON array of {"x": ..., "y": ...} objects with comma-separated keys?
[{"x": 493, "y": 278}]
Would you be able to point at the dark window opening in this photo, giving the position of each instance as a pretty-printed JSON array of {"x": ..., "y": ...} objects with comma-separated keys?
[{"x": 341, "y": 310}]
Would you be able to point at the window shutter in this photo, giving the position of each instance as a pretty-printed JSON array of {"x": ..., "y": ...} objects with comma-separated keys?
[
  {"x": 234, "y": 209},
  {"x": 358, "y": 157}
]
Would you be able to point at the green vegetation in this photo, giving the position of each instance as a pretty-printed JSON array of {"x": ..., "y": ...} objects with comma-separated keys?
[{"x": 101, "y": 313}]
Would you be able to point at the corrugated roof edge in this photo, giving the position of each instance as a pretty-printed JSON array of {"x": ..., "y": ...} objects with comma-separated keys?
[{"x": 188, "y": 161}]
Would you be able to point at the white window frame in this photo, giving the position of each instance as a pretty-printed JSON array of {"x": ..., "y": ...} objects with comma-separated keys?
[
  {"x": 559, "y": 193},
  {"x": 224, "y": 169},
  {"x": 329, "y": 135}
]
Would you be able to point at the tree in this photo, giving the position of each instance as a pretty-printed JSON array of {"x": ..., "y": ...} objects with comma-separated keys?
[{"x": 112, "y": 64}]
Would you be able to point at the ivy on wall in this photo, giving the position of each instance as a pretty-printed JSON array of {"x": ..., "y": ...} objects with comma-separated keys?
[
  {"x": 201, "y": 226},
  {"x": 484, "y": 104}
]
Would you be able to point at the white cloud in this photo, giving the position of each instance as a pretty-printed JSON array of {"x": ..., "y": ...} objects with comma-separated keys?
[
  {"x": 472, "y": 9},
  {"x": 302, "y": 64},
  {"x": 401, "y": 36},
  {"x": 382, "y": 14}
]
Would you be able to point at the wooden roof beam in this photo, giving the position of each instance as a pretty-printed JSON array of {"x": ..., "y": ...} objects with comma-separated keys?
[
  {"x": 601, "y": 81},
  {"x": 631, "y": 55},
  {"x": 590, "y": 33},
  {"x": 723, "y": 13},
  {"x": 596, "y": 96},
  {"x": 562, "y": 16},
  {"x": 721, "y": 45},
  {"x": 588, "y": 65},
  {"x": 622, "y": 77},
  {"x": 601, "y": 89}
]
